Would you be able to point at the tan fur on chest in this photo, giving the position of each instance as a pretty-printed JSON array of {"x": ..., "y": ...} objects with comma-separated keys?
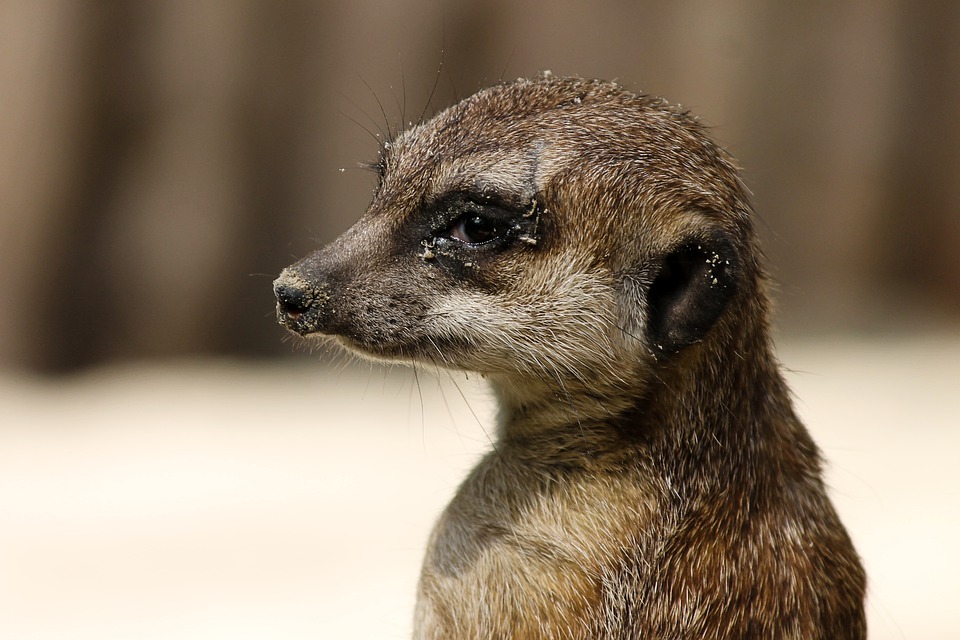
[{"x": 505, "y": 562}]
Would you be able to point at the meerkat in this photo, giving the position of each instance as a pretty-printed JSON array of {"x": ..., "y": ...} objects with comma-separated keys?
[{"x": 590, "y": 252}]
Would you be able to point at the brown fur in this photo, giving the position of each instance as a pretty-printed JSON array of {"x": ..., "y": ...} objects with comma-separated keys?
[{"x": 591, "y": 252}]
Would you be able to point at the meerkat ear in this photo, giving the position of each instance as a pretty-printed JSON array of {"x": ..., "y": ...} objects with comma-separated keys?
[{"x": 694, "y": 283}]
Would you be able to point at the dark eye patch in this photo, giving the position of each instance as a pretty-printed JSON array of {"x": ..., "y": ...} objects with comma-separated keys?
[
  {"x": 474, "y": 220},
  {"x": 469, "y": 227}
]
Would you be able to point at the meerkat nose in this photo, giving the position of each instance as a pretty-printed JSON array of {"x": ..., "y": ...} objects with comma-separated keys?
[
  {"x": 295, "y": 299},
  {"x": 291, "y": 301}
]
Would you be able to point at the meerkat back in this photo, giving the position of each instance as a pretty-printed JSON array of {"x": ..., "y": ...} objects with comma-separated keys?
[{"x": 591, "y": 253}]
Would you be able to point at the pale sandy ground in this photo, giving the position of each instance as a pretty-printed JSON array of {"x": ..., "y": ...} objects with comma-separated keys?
[{"x": 215, "y": 500}]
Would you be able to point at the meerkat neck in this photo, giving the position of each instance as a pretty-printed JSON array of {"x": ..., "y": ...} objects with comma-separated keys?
[
  {"x": 691, "y": 410},
  {"x": 731, "y": 421},
  {"x": 533, "y": 408}
]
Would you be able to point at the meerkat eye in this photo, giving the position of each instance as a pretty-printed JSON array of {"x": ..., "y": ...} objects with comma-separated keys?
[{"x": 476, "y": 228}]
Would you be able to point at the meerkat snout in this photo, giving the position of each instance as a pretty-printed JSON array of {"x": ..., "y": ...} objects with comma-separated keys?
[{"x": 591, "y": 252}]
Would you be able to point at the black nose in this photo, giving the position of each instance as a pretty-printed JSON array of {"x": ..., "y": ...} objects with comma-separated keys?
[
  {"x": 292, "y": 301},
  {"x": 298, "y": 303}
]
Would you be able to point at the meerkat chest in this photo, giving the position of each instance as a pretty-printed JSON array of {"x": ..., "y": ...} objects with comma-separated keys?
[{"x": 517, "y": 557}]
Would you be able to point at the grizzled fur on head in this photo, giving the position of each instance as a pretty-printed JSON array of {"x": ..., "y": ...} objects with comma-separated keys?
[
  {"x": 618, "y": 234},
  {"x": 590, "y": 251}
]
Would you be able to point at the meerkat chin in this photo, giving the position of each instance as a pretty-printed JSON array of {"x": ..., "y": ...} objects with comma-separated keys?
[{"x": 591, "y": 252}]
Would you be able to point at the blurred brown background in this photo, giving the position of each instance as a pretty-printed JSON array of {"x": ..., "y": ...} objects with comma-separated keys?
[{"x": 160, "y": 162}]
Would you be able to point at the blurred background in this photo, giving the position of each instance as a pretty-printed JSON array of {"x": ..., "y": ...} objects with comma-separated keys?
[
  {"x": 160, "y": 162},
  {"x": 197, "y": 475}
]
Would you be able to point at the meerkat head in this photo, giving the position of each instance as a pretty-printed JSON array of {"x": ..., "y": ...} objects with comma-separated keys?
[{"x": 548, "y": 230}]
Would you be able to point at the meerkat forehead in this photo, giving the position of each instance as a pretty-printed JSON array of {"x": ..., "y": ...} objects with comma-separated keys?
[
  {"x": 500, "y": 138},
  {"x": 613, "y": 149}
]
